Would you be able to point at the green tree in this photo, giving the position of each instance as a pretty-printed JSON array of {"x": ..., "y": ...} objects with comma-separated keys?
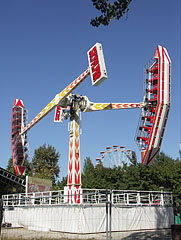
[
  {"x": 45, "y": 163},
  {"x": 164, "y": 172},
  {"x": 168, "y": 172},
  {"x": 61, "y": 184},
  {"x": 99, "y": 177},
  {"x": 109, "y": 11},
  {"x": 10, "y": 166},
  {"x": 88, "y": 174}
]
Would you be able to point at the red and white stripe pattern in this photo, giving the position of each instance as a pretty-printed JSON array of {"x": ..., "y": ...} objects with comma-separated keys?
[
  {"x": 58, "y": 98},
  {"x": 74, "y": 174},
  {"x": 162, "y": 108},
  {"x": 112, "y": 106}
]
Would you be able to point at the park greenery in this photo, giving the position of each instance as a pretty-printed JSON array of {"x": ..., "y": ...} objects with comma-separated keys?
[
  {"x": 165, "y": 172},
  {"x": 44, "y": 164},
  {"x": 109, "y": 10}
]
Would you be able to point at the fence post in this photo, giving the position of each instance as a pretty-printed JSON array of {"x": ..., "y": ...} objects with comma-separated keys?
[
  {"x": 50, "y": 198},
  {"x": 138, "y": 198},
  {"x": 1, "y": 214},
  {"x": 107, "y": 237},
  {"x": 162, "y": 199},
  {"x": 110, "y": 213}
]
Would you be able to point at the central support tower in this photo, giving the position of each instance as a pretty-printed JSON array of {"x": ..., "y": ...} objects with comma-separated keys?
[{"x": 73, "y": 188}]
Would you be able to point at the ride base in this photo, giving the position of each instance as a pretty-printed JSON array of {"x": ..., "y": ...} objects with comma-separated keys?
[{"x": 101, "y": 213}]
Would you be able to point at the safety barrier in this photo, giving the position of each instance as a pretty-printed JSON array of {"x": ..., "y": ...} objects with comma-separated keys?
[
  {"x": 91, "y": 196},
  {"x": 101, "y": 214}
]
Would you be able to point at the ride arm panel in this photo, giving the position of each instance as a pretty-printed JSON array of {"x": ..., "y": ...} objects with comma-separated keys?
[
  {"x": 57, "y": 100},
  {"x": 111, "y": 106},
  {"x": 155, "y": 115}
]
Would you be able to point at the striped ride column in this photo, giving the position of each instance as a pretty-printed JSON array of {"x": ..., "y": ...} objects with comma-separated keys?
[{"x": 74, "y": 173}]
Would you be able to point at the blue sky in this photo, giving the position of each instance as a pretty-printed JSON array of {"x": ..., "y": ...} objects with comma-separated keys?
[{"x": 43, "y": 48}]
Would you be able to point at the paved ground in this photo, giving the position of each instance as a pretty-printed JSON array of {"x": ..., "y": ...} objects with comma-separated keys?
[
  {"x": 14, "y": 233},
  {"x": 153, "y": 235}
]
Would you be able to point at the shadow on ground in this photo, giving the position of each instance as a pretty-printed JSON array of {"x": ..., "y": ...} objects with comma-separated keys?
[{"x": 154, "y": 235}]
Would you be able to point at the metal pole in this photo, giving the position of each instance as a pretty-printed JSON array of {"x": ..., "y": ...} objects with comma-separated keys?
[
  {"x": 107, "y": 237},
  {"x": 1, "y": 214},
  {"x": 110, "y": 211},
  {"x": 162, "y": 199}
]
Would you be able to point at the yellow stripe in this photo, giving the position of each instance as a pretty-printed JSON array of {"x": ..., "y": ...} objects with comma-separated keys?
[{"x": 100, "y": 106}]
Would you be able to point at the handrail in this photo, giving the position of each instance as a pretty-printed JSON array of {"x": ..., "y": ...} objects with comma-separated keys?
[{"x": 91, "y": 196}]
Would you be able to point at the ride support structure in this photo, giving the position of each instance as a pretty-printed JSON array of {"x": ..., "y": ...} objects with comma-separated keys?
[
  {"x": 154, "y": 113},
  {"x": 72, "y": 106},
  {"x": 73, "y": 189}
]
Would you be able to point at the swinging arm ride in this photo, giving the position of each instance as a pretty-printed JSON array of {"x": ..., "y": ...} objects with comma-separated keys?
[{"x": 19, "y": 128}]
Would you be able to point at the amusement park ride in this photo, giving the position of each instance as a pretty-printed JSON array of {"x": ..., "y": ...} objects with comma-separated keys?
[
  {"x": 154, "y": 113},
  {"x": 114, "y": 157}
]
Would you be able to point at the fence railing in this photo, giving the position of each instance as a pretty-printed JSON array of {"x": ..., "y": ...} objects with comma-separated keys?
[
  {"x": 144, "y": 198},
  {"x": 91, "y": 196}
]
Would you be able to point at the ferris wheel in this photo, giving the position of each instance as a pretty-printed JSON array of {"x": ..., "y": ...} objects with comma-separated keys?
[{"x": 114, "y": 156}]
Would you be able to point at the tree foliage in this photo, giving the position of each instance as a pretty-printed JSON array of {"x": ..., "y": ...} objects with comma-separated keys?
[
  {"x": 109, "y": 11},
  {"x": 10, "y": 166},
  {"x": 164, "y": 172},
  {"x": 61, "y": 184},
  {"x": 45, "y": 163}
]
